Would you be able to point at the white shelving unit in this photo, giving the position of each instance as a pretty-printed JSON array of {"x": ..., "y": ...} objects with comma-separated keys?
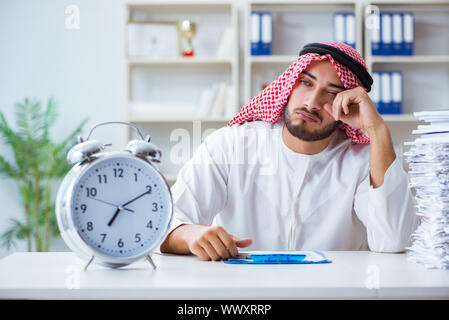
[
  {"x": 147, "y": 78},
  {"x": 426, "y": 73},
  {"x": 295, "y": 23}
]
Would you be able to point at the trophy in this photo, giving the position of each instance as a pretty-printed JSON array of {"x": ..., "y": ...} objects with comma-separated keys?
[{"x": 187, "y": 29}]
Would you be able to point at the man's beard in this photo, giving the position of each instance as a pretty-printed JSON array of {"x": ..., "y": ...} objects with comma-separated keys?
[{"x": 302, "y": 133}]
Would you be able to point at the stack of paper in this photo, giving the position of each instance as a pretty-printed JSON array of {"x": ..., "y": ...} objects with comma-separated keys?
[{"x": 428, "y": 160}]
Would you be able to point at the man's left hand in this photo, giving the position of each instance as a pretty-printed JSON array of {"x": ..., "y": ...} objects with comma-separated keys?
[{"x": 354, "y": 107}]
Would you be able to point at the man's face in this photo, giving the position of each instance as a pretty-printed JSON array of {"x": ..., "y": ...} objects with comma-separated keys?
[{"x": 304, "y": 114}]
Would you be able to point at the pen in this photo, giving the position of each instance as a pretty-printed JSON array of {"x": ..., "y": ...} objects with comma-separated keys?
[{"x": 267, "y": 258}]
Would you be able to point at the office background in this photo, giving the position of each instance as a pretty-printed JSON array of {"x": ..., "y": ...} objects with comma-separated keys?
[{"x": 85, "y": 70}]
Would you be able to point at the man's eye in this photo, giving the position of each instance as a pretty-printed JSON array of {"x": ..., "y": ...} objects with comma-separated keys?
[{"x": 305, "y": 82}]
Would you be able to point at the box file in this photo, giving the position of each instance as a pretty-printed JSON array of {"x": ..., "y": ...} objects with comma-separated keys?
[
  {"x": 375, "y": 35},
  {"x": 408, "y": 33},
  {"x": 375, "y": 90},
  {"x": 387, "y": 91},
  {"x": 396, "y": 92},
  {"x": 385, "y": 34},
  {"x": 339, "y": 27},
  {"x": 398, "y": 38},
  {"x": 395, "y": 35},
  {"x": 266, "y": 20},
  {"x": 350, "y": 29},
  {"x": 255, "y": 33},
  {"x": 344, "y": 28}
]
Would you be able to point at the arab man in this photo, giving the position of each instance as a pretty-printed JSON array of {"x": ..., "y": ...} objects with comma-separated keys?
[{"x": 308, "y": 164}]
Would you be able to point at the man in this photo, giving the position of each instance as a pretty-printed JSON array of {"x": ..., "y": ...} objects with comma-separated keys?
[{"x": 319, "y": 172}]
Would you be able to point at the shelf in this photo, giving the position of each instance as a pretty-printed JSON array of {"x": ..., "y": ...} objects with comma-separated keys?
[
  {"x": 305, "y": 20},
  {"x": 410, "y": 59},
  {"x": 409, "y": 2},
  {"x": 136, "y": 119},
  {"x": 152, "y": 119},
  {"x": 406, "y": 117},
  {"x": 273, "y": 59},
  {"x": 171, "y": 3},
  {"x": 148, "y": 77},
  {"x": 300, "y": 2},
  {"x": 178, "y": 60},
  {"x": 170, "y": 177}
]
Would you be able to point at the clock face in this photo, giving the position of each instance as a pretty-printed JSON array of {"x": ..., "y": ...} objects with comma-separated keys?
[{"x": 121, "y": 206}]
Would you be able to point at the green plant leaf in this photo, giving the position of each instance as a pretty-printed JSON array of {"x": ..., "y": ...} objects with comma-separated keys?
[
  {"x": 39, "y": 163},
  {"x": 8, "y": 169},
  {"x": 49, "y": 117},
  {"x": 17, "y": 231}
]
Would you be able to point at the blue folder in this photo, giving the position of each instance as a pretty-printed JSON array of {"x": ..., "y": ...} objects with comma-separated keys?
[{"x": 274, "y": 258}]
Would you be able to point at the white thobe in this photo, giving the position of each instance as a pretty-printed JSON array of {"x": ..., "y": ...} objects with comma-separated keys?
[{"x": 245, "y": 179}]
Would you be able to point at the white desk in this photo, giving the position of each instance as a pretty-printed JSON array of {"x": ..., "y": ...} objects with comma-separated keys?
[{"x": 50, "y": 275}]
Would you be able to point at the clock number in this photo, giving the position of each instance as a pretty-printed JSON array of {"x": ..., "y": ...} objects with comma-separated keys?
[
  {"x": 91, "y": 192},
  {"x": 154, "y": 207},
  {"x": 138, "y": 239},
  {"x": 118, "y": 173},
  {"x": 148, "y": 188},
  {"x": 90, "y": 226},
  {"x": 83, "y": 207},
  {"x": 150, "y": 224},
  {"x": 102, "y": 179},
  {"x": 135, "y": 177},
  {"x": 120, "y": 243},
  {"x": 104, "y": 237}
]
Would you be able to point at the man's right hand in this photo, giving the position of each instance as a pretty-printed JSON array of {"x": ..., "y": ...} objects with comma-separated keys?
[
  {"x": 214, "y": 243},
  {"x": 208, "y": 243}
]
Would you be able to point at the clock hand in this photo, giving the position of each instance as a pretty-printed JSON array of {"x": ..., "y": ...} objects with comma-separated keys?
[
  {"x": 134, "y": 199},
  {"x": 114, "y": 216},
  {"x": 125, "y": 204},
  {"x": 111, "y": 204}
]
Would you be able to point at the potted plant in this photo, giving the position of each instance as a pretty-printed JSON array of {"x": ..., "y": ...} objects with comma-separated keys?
[{"x": 39, "y": 163}]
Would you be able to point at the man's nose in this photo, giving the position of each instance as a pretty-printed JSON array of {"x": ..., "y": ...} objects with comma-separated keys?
[{"x": 313, "y": 102}]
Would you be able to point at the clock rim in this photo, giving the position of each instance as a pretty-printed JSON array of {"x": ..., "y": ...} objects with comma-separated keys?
[{"x": 67, "y": 227}]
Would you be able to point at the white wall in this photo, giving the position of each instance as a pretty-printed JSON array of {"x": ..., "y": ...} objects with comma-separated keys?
[{"x": 82, "y": 69}]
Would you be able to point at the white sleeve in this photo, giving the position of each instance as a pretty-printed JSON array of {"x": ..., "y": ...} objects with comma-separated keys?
[
  {"x": 200, "y": 190},
  {"x": 388, "y": 212}
]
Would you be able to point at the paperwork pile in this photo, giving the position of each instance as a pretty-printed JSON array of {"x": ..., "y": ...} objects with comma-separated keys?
[{"x": 428, "y": 160}]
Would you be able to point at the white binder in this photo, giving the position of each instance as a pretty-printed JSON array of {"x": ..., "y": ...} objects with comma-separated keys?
[
  {"x": 386, "y": 36},
  {"x": 408, "y": 33},
  {"x": 350, "y": 29},
  {"x": 385, "y": 96},
  {"x": 266, "y": 32},
  {"x": 397, "y": 34},
  {"x": 374, "y": 94},
  {"x": 396, "y": 94},
  {"x": 255, "y": 33},
  {"x": 339, "y": 27},
  {"x": 375, "y": 34}
]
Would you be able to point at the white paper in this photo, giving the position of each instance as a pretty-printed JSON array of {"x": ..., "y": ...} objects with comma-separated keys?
[{"x": 428, "y": 160}]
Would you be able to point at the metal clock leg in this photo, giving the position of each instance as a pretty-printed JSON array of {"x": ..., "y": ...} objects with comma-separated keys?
[
  {"x": 90, "y": 261},
  {"x": 151, "y": 261}
]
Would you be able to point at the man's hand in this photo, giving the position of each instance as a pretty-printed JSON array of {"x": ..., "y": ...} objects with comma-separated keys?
[
  {"x": 214, "y": 243},
  {"x": 354, "y": 107},
  {"x": 208, "y": 243}
]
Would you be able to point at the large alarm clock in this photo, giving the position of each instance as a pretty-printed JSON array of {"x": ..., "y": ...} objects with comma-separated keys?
[{"x": 114, "y": 207}]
